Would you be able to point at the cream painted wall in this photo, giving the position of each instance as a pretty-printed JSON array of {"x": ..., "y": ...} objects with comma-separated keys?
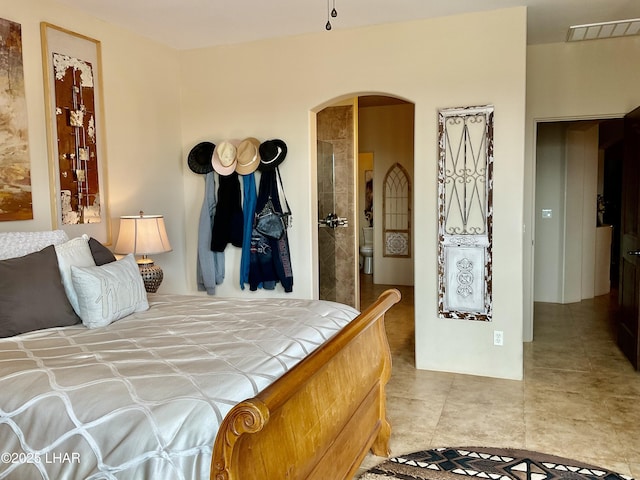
[
  {"x": 580, "y": 212},
  {"x": 268, "y": 89},
  {"x": 581, "y": 80},
  {"x": 142, "y": 122},
  {"x": 387, "y": 131},
  {"x": 550, "y": 187},
  {"x": 589, "y": 154}
]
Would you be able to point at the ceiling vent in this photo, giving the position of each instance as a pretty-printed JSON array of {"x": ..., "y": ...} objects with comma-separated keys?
[{"x": 596, "y": 31}]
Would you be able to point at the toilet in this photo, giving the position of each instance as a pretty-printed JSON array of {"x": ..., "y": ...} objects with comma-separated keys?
[{"x": 366, "y": 250}]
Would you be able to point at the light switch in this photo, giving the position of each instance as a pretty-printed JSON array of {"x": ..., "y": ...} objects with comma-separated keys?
[{"x": 547, "y": 213}]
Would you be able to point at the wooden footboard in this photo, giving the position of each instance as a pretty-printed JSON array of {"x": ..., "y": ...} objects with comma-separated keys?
[{"x": 320, "y": 419}]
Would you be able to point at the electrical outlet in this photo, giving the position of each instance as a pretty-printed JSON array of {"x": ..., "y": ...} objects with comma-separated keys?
[{"x": 498, "y": 338}]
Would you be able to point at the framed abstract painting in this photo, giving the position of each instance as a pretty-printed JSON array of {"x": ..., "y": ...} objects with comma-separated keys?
[
  {"x": 15, "y": 163},
  {"x": 75, "y": 132}
]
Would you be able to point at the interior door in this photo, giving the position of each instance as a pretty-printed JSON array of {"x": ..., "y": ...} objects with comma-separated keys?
[
  {"x": 337, "y": 252},
  {"x": 326, "y": 233},
  {"x": 329, "y": 221},
  {"x": 629, "y": 293}
]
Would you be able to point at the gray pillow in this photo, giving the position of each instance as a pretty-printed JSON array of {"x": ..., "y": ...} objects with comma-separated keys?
[
  {"x": 32, "y": 296},
  {"x": 101, "y": 254}
]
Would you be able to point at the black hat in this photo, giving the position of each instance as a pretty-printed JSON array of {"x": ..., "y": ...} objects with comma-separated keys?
[
  {"x": 272, "y": 154},
  {"x": 199, "y": 159}
]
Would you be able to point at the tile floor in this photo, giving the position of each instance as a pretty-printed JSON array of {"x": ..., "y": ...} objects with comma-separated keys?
[{"x": 580, "y": 397}]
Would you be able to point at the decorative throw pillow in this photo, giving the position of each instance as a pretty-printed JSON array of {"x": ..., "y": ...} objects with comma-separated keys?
[
  {"x": 75, "y": 252},
  {"x": 18, "y": 244},
  {"x": 109, "y": 292},
  {"x": 32, "y": 296},
  {"x": 101, "y": 254}
]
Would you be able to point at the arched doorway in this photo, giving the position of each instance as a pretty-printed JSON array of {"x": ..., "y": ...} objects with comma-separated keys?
[{"x": 381, "y": 126}]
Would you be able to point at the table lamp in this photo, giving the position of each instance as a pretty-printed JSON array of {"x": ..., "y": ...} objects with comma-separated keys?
[{"x": 144, "y": 235}]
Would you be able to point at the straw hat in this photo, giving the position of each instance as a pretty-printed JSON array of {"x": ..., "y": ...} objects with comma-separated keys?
[
  {"x": 224, "y": 157},
  {"x": 248, "y": 156}
]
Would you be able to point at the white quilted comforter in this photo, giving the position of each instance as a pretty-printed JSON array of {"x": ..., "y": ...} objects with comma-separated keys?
[{"x": 143, "y": 398}]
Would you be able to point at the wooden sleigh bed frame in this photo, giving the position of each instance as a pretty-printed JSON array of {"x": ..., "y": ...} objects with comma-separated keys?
[{"x": 320, "y": 419}]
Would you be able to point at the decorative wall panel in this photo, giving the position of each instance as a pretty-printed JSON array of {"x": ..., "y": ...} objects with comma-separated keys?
[
  {"x": 465, "y": 211},
  {"x": 397, "y": 212}
]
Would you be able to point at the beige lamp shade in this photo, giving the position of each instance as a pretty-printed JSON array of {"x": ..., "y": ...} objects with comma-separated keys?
[{"x": 142, "y": 235}]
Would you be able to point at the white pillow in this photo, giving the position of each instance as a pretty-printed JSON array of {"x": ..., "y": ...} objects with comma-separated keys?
[
  {"x": 19, "y": 244},
  {"x": 75, "y": 252},
  {"x": 109, "y": 292}
]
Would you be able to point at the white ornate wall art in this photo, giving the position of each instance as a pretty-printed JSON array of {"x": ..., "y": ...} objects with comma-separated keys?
[{"x": 465, "y": 211}]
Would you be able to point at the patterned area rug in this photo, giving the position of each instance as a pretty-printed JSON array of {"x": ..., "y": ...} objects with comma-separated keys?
[{"x": 486, "y": 463}]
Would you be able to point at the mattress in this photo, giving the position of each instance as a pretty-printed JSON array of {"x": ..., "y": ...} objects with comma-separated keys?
[{"x": 143, "y": 397}]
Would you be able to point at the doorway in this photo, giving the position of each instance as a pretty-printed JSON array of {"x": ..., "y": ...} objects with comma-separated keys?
[
  {"x": 384, "y": 127},
  {"x": 577, "y": 210},
  {"x": 578, "y": 180}
]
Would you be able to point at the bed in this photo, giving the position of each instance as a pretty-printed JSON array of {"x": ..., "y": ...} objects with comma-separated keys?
[{"x": 195, "y": 387}]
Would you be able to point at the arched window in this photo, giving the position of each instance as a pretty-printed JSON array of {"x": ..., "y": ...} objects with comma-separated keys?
[{"x": 396, "y": 212}]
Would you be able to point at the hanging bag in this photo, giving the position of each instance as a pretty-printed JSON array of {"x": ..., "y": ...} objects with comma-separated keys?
[
  {"x": 286, "y": 216},
  {"x": 269, "y": 222}
]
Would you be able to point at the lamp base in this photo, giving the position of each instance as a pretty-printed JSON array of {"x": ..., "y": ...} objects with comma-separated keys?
[{"x": 151, "y": 275}]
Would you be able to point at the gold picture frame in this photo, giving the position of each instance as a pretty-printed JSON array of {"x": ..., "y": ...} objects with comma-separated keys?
[{"x": 74, "y": 108}]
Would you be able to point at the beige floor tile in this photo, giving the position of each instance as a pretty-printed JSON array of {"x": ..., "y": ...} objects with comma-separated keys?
[
  {"x": 556, "y": 355},
  {"x": 500, "y": 427},
  {"x": 413, "y": 422},
  {"x": 610, "y": 364},
  {"x": 623, "y": 411},
  {"x": 557, "y": 379},
  {"x": 629, "y": 437},
  {"x": 486, "y": 392},
  {"x": 575, "y": 439},
  {"x": 548, "y": 404},
  {"x": 625, "y": 384},
  {"x": 412, "y": 383},
  {"x": 580, "y": 397}
]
